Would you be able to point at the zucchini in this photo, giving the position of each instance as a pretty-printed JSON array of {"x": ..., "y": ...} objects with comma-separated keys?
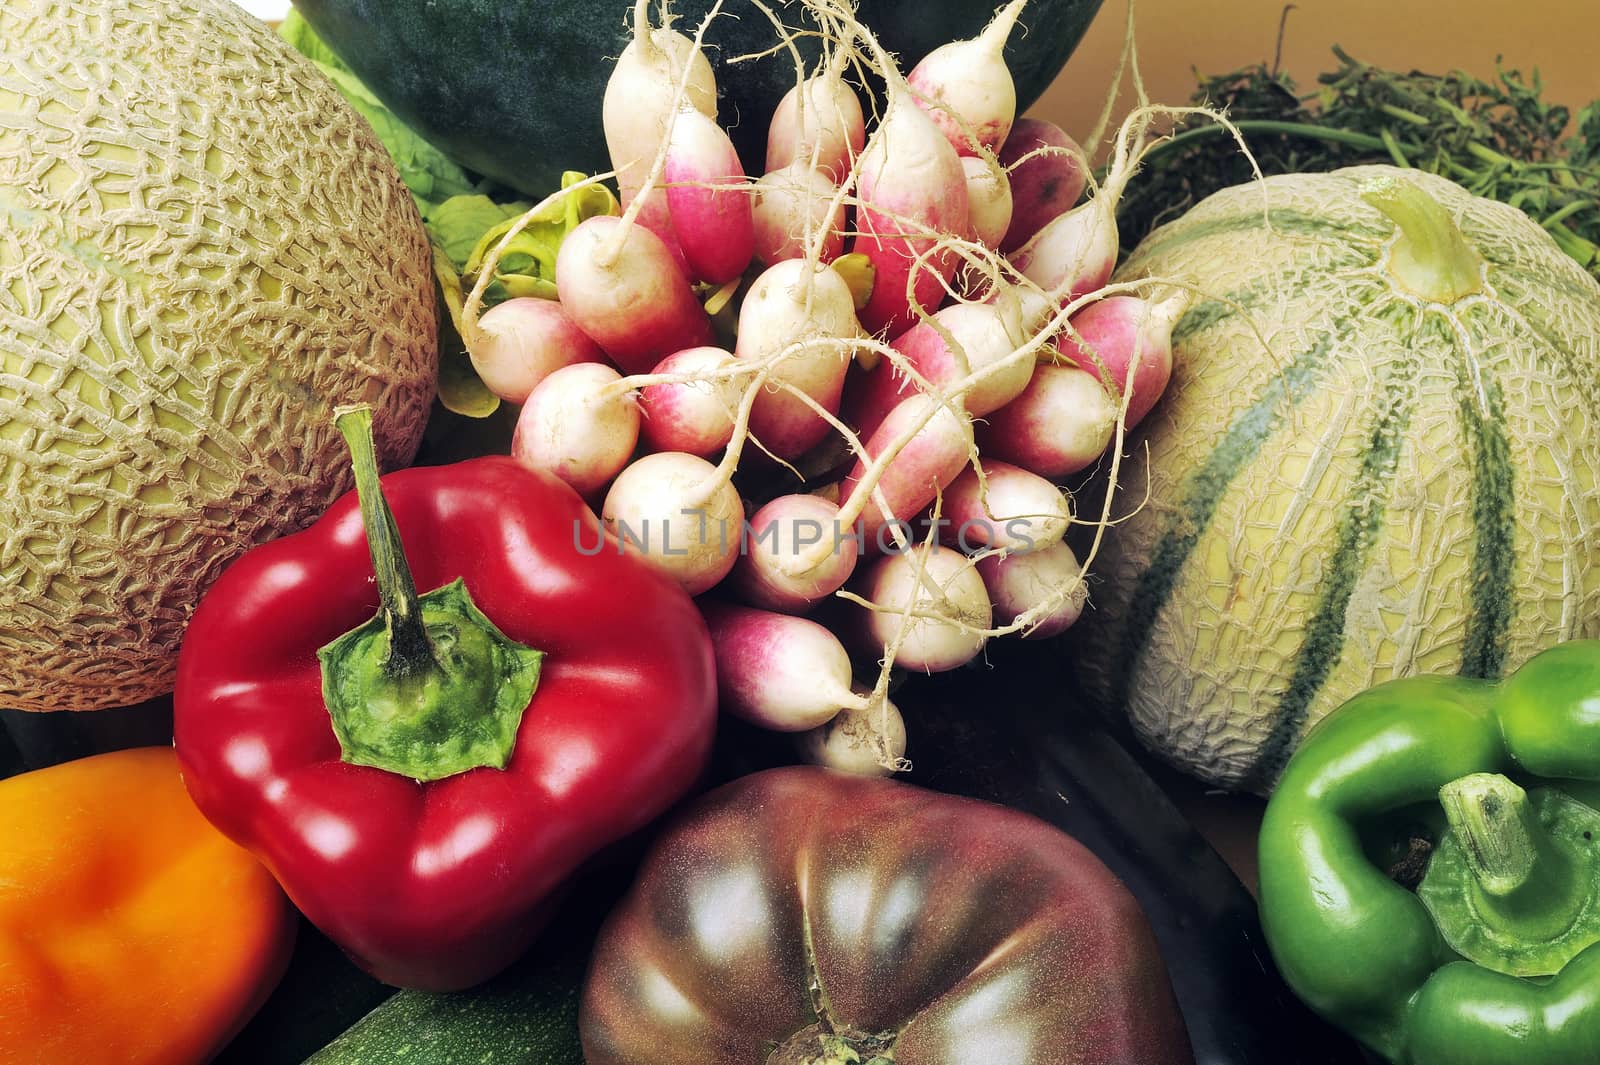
[
  {"x": 527, "y": 1015},
  {"x": 512, "y": 89}
]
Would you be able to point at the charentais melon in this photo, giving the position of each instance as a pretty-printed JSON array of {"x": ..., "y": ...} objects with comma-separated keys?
[
  {"x": 1379, "y": 455},
  {"x": 202, "y": 251}
]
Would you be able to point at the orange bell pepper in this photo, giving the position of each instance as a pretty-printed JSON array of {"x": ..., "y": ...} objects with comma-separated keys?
[{"x": 131, "y": 931}]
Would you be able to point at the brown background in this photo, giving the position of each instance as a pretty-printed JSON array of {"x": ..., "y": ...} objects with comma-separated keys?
[{"x": 1560, "y": 37}]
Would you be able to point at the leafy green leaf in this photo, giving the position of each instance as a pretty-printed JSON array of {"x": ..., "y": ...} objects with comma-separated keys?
[
  {"x": 461, "y": 390},
  {"x": 1498, "y": 139},
  {"x": 527, "y": 266},
  {"x": 458, "y": 224},
  {"x": 303, "y": 39},
  {"x": 464, "y": 230},
  {"x": 463, "y": 223}
]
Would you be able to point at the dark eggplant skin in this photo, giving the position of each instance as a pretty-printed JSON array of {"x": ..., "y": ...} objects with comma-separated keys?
[{"x": 1002, "y": 730}]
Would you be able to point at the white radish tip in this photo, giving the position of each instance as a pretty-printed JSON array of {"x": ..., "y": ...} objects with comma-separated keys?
[
  {"x": 995, "y": 35},
  {"x": 863, "y": 742}
]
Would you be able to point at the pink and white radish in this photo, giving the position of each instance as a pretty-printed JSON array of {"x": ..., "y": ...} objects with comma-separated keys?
[
  {"x": 818, "y": 125},
  {"x": 621, "y": 285},
  {"x": 522, "y": 341},
  {"x": 919, "y": 449},
  {"x": 1047, "y": 172},
  {"x": 652, "y": 213},
  {"x": 967, "y": 87},
  {"x": 1111, "y": 335},
  {"x": 1061, "y": 423},
  {"x": 1074, "y": 253},
  {"x": 642, "y": 96},
  {"x": 778, "y": 671},
  {"x": 869, "y": 742},
  {"x": 1007, "y": 508},
  {"x": 696, "y": 414},
  {"x": 1045, "y": 586},
  {"x": 680, "y": 513},
  {"x": 578, "y": 426},
  {"x": 912, "y": 192},
  {"x": 779, "y": 567},
  {"x": 989, "y": 205},
  {"x": 799, "y": 321},
  {"x": 790, "y": 207},
  {"x": 952, "y": 343},
  {"x": 708, "y": 199},
  {"x": 936, "y": 596}
]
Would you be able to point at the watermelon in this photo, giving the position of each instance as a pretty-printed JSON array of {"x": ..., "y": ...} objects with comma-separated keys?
[
  {"x": 513, "y": 90},
  {"x": 1379, "y": 455}
]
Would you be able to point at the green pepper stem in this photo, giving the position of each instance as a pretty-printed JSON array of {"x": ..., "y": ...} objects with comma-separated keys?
[
  {"x": 1490, "y": 815},
  {"x": 410, "y": 649},
  {"x": 1431, "y": 258},
  {"x": 1523, "y": 880}
]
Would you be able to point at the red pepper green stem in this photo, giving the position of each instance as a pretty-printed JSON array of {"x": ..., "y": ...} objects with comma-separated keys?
[
  {"x": 429, "y": 687},
  {"x": 409, "y": 648}
]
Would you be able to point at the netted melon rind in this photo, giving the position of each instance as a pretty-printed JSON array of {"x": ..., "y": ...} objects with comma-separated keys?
[
  {"x": 1209, "y": 685},
  {"x": 202, "y": 251}
]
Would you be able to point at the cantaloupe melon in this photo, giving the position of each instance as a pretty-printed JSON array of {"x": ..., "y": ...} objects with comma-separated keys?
[
  {"x": 202, "y": 251},
  {"x": 1365, "y": 466}
]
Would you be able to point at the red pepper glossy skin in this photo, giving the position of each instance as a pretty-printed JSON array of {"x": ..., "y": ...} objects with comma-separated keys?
[{"x": 440, "y": 885}]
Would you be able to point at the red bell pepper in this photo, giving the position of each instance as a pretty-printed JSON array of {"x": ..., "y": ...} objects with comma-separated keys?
[{"x": 423, "y": 781}]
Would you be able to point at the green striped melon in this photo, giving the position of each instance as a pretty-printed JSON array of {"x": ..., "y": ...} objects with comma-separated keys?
[{"x": 1379, "y": 455}]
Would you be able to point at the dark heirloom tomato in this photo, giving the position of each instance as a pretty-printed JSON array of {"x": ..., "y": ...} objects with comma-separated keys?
[{"x": 799, "y": 917}]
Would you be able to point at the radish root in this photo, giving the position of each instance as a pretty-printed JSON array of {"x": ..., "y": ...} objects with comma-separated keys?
[{"x": 984, "y": 274}]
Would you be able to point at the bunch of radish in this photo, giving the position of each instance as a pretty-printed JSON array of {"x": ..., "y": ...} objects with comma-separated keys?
[{"x": 867, "y": 474}]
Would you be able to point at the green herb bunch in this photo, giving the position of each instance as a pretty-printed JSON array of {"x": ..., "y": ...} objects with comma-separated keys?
[{"x": 1499, "y": 139}]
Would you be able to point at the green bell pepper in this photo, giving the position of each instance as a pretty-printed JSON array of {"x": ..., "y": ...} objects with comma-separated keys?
[{"x": 1494, "y": 959}]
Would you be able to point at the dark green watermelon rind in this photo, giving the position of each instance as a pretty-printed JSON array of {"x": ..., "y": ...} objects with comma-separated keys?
[{"x": 512, "y": 91}]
